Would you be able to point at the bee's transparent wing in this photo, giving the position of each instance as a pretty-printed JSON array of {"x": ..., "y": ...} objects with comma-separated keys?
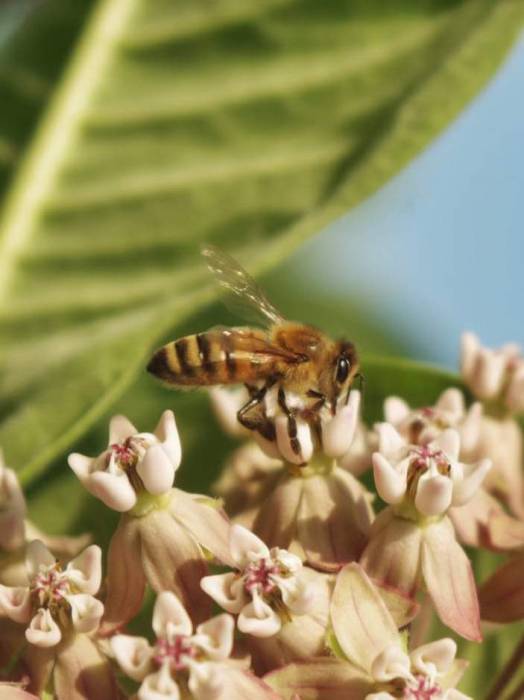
[{"x": 242, "y": 294}]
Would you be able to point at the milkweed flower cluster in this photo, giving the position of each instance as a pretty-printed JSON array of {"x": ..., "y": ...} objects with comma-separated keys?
[{"x": 328, "y": 545}]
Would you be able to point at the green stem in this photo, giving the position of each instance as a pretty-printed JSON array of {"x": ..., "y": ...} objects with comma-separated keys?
[{"x": 507, "y": 674}]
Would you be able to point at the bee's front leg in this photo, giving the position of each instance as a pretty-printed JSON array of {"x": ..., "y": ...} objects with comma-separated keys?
[
  {"x": 320, "y": 403},
  {"x": 291, "y": 421}
]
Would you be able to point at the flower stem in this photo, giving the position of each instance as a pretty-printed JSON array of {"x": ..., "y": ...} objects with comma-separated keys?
[
  {"x": 507, "y": 674},
  {"x": 518, "y": 693}
]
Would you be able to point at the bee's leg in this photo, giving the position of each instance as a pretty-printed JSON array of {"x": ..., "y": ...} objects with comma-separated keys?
[
  {"x": 321, "y": 400},
  {"x": 291, "y": 421},
  {"x": 252, "y": 415}
]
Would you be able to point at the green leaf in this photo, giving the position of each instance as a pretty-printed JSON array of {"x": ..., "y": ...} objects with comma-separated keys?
[{"x": 248, "y": 124}]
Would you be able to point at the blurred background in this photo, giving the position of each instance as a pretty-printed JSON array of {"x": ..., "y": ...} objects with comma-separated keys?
[{"x": 365, "y": 157}]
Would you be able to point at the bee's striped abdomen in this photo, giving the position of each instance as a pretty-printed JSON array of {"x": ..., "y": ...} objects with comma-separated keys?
[{"x": 214, "y": 357}]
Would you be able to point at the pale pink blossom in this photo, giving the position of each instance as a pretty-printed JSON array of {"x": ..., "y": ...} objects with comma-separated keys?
[
  {"x": 373, "y": 662},
  {"x": 12, "y": 509},
  {"x": 428, "y": 477},
  {"x": 55, "y": 595},
  {"x": 185, "y": 659},
  {"x": 494, "y": 375},
  {"x": 267, "y": 587},
  {"x": 132, "y": 463}
]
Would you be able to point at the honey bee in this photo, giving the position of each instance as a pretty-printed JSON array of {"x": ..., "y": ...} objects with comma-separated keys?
[{"x": 294, "y": 357}]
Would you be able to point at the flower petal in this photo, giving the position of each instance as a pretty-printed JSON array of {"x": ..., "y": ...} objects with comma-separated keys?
[
  {"x": 170, "y": 616},
  {"x": 449, "y": 579},
  {"x": 502, "y": 595},
  {"x": 303, "y": 438},
  {"x": 392, "y": 662},
  {"x": 449, "y": 442},
  {"x": 167, "y": 433},
  {"x": 391, "y": 484},
  {"x": 207, "y": 680},
  {"x": 242, "y": 685},
  {"x": 338, "y": 432},
  {"x": 125, "y": 581},
  {"x": 227, "y": 590},
  {"x": 82, "y": 672},
  {"x": 395, "y": 410},
  {"x": 389, "y": 440},
  {"x": 37, "y": 556},
  {"x": 43, "y": 630},
  {"x": 276, "y": 522},
  {"x": 434, "y": 658},
  {"x": 245, "y": 546},
  {"x": 466, "y": 488},
  {"x": 133, "y": 655},
  {"x": 173, "y": 561},
  {"x": 259, "y": 619},
  {"x": 206, "y": 521},
  {"x": 113, "y": 489},
  {"x": 333, "y": 505},
  {"x": 15, "y": 603},
  {"x": 434, "y": 494},
  {"x": 156, "y": 470},
  {"x": 81, "y": 465},
  {"x": 320, "y": 679},
  {"x": 361, "y": 622},
  {"x": 215, "y": 637},
  {"x": 226, "y": 404},
  {"x": 159, "y": 686},
  {"x": 120, "y": 428},
  {"x": 85, "y": 570},
  {"x": 86, "y": 612}
]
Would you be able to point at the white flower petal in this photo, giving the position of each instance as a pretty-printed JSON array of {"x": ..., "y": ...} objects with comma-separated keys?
[
  {"x": 159, "y": 686},
  {"x": 133, "y": 655},
  {"x": 81, "y": 465},
  {"x": 245, "y": 547},
  {"x": 338, "y": 432},
  {"x": 470, "y": 346},
  {"x": 467, "y": 487},
  {"x": 382, "y": 695},
  {"x": 451, "y": 401},
  {"x": 303, "y": 438},
  {"x": 86, "y": 612},
  {"x": 390, "y": 442},
  {"x": 167, "y": 433},
  {"x": 170, "y": 616},
  {"x": 299, "y": 594},
  {"x": 449, "y": 442},
  {"x": 471, "y": 427},
  {"x": 391, "y": 663},
  {"x": 43, "y": 630},
  {"x": 259, "y": 619},
  {"x": 515, "y": 392},
  {"x": 434, "y": 493},
  {"x": 227, "y": 590},
  {"x": 15, "y": 603},
  {"x": 395, "y": 410},
  {"x": 215, "y": 637},
  {"x": 434, "y": 658},
  {"x": 269, "y": 448},
  {"x": 114, "y": 490},
  {"x": 226, "y": 403},
  {"x": 85, "y": 570},
  {"x": 120, "y": 428},
  {"x": 206, "y": 681},
  {"x": 37, "y": 557},
  {"x": 391, "y": 484},
  {"x": 156, "y": 470}
]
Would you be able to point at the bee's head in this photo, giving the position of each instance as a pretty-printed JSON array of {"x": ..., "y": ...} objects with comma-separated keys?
[{"x": 344, "y": 368}]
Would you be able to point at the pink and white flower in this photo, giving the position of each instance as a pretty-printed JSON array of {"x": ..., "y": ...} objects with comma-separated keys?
[
  {"x": 268, "y": 587},
  {"x": 12, "y": 509},
  {"x": 183, "y": 659},
  {"x": 428, "y": 477},
  {"x": 373, "y": 662},
  {"x": 56, "y": 597},
  {"x": 132, "y": 463},
  {"x": 494, "y": 374}
]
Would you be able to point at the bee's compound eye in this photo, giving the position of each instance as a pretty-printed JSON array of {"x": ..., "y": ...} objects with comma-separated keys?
[{"x": 342, "y": 370}]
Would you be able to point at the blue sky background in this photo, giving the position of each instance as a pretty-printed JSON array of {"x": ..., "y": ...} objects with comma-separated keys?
[{"x": 441, "y": 247}]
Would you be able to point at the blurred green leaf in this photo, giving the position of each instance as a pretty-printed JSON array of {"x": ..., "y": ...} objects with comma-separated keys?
[{"x": 249, "y": 124}]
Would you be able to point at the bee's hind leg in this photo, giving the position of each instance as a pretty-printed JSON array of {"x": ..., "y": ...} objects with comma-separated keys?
[{"x": 252, "y": 415}]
